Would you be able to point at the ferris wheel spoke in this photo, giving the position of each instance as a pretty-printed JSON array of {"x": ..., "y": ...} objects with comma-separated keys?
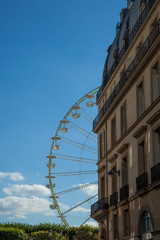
[
  {"x": 66, "y": 174},
  {"x": 84, "y": 130},
  {"x": 79, "y": 147},
  {"x": 78, "y": 143},
  {"x": 77, "y": 188},
  {"x": 85, "y": 117},
  {"x": 76, "y": 160},
  {"x": 87, "y": 114},
  {"x": 80, "y": 204},
  {"x": 74, "y": 157},
  {"x": 85, "y": 221},
  {"x": 86, "y": 134}
]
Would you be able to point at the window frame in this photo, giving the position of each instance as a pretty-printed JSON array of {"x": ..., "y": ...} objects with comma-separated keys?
[
  {"x": 157, "y": 61},
  {"x": 113, "y": 140},
  {"x": 140, "y": 170},
  {"x": 126, "y": 227},
  {"x": 102, "y": 180},
  {"x": 143, "y": 99},
  {"x": 124, "y": 157},
  {"x": 153, "y": 143},
  {"x": 123, "y": 106},
  {"x": 115, "y": 226}
]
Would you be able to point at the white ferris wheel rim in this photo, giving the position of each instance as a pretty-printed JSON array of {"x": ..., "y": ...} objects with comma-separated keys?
[{"x": 89, "y": 95}]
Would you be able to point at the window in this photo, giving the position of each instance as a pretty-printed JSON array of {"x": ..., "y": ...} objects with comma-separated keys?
[
  {"x": 146, "y": 224},
  {"x": 124, "y": 172},
  {"x": 112, "y": 88},
  {"x": 141, "y": 157},
  {"x": 157, "y": 145},
  {"x": 102, "y": 187},
  {"x": 123, "y": 118},
  {"x": 114, "y": 182},
  {"x": 113, "y": 131},
  {"x": 100, "y": 146},
  {"x": 140, "y": 99},
  {"x": 142, "y": 5},
  {"x": 102, "y": 143},
  {"x": 115, "y": 226},
  {"x": 139, "y": 50},
  {"x": 126, "y": 222},
  {"x": 155, "y": 82}
]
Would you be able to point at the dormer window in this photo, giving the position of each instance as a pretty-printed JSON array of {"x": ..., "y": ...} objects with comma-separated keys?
[
  {"x": 104, "y": 74},
  {"x": 109, "y": 48},
  {"x": 115, "y": 54},
  {"x": 125, "y": 36},
  {"x": 130, "y": 4},
  {"x": 142, "y": 5}
]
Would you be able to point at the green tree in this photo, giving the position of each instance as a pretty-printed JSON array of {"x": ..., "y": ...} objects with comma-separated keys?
[{"x": 10, "y": 233}]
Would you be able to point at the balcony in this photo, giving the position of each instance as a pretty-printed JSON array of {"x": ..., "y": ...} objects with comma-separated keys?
[
  {"x": 114, "y": 199},
  {"x": 131, "y": 68},
  {"x": 100, "y": 204},
  {"x": 99, "y": 209},
  {"x": 124, "y": 192},
  {"x": 130, "y": 37},
  {"x": 155, "y": 173},
  {"x": 142, "y": 181}
]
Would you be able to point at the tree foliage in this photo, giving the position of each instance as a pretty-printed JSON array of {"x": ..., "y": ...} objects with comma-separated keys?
[
  {"x": 18, "y": 231},
  {"x": 10, "y": 233}
]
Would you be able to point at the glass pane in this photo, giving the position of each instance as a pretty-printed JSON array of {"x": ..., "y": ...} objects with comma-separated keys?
[
  {"x": 155, "y": 82},
  {"x": 140, "y": 100},
  {"x": 157, "y": 146}
]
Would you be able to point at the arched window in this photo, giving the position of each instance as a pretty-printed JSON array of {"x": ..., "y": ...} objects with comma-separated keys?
[{"x": 146, "y": 223}]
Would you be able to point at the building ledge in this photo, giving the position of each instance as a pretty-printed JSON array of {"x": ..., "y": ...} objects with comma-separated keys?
[
  {"x": 113, "y": 158},
  {"x": 123, "y": 148},
  {"x": 155, "y": 117},
  {"x": 100, "y": 215},
  {"x": 140, "y": 132}
]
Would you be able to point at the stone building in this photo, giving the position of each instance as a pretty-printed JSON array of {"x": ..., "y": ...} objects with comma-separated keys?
[{"x": 128, "y": 128}]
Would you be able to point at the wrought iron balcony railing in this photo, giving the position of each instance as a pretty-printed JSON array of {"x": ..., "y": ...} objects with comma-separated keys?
[
  {"x": 155, "y": 173},
  {"x": 100, "y": 204},
  {"x": 124, "y": 192},
  {"x": 140, "y": 55},
  {"x": 130, "y": 38},
  {"x": 142, "y": 181},
  {"x": 114, "y": 199}
]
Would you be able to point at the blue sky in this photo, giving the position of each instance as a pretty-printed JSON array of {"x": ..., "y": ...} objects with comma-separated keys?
[{"x": 51, "y": 54}]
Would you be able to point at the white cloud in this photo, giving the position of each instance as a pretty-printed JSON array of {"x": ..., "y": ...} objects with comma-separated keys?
[
  {"x": 81, "y": 209},
  {"x": 91, "y": 190},
  {"x": 26, "y": 190},
  {"x": 20, "y": 207},
  {"x": 91, "y": 223},
  {"x": 14, "y": 176},
  {"x": 64, "y": 207}
]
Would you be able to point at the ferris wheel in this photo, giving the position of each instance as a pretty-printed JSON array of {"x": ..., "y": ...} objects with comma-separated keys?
[{"x": 72, "y": 162}]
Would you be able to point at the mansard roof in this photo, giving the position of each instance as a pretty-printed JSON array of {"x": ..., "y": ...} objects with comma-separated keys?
[{"x": 129, "y": 17}]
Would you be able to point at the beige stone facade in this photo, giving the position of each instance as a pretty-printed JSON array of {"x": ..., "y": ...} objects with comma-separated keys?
[{"x": 128, "y": 130}]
